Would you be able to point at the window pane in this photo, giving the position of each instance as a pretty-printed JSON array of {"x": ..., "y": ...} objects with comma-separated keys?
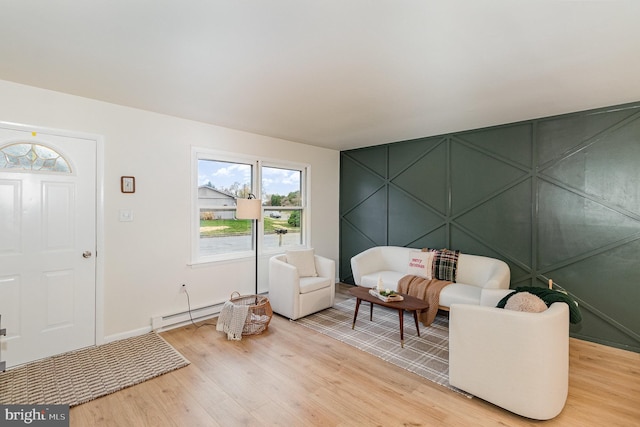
[
  {"x": 282, "y": 228},
  {"x": 221, "y": 233},
  {"x": 281, "y": 195},
  {"x": 219, "y": 185},
  {"x": 230, "y": 179},
  {"x": 29, "y": 156},
  {"x": 281, "y": 187}
]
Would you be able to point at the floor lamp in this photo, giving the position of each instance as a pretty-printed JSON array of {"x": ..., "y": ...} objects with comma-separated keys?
[{"x": 250, "y": 208}]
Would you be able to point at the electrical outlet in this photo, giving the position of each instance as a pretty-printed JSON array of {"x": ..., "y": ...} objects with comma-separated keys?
[{"x": 183, "y": 288}]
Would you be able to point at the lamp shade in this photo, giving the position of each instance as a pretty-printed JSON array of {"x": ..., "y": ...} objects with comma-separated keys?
[{"x": 248, "y": 208}]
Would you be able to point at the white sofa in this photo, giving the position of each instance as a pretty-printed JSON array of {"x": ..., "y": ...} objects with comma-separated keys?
[
  {"x": 479, "y": 280},
  {"x": 516, "y": 360}
]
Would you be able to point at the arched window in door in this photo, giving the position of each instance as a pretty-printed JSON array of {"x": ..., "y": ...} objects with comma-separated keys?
[{"x": 29, "y": 156}]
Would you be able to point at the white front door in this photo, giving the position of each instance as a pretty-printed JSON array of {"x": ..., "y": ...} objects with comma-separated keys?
[{"x": 47, "y": 244}]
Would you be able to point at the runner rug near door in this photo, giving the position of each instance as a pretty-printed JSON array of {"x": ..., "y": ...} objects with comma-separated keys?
[
  {"x": 83, "y": 375},
  {"x": 426, "y": 355}
]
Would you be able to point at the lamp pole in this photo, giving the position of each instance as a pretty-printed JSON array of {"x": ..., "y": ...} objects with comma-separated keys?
[
  {"x": 250, "y": 208},
  {"x": 255, "y": 230}
]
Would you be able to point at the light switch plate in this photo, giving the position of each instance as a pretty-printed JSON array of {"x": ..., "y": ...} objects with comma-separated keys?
[{"x": 126, "y": 215}]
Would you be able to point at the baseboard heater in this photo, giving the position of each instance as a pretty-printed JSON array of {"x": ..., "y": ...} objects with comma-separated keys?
[{"x": 169, "y": 321}]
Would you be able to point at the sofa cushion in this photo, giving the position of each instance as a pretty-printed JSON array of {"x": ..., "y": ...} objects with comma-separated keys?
[
  {"x": 390, "y": 279},
  {"x": 459, "y": 293},
  {"x": 311, "y": 284},
  {"x": 421, "y": 264},
  {"x": 304, "y": 261}
]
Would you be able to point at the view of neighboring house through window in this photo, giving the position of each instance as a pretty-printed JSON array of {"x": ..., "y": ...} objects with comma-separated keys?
[
  {"x": 221, "y": 181},
  {"x": 219, "y": 185}
]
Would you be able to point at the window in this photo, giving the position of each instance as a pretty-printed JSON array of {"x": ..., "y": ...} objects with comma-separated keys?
[
  {"x": 28, "y": 156},
  {"x": 219, "y": 180},
  {"x": 220, "y": 183},
  {"x": 283, "y": 207}
]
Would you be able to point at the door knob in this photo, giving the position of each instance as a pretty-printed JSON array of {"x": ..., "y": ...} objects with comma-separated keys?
[{"x": 86, "y": 254}]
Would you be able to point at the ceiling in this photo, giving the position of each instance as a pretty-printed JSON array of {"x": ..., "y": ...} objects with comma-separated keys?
[{"x": 339, "y": 74}]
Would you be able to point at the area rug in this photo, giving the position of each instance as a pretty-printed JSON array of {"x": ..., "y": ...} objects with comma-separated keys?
[
  {"x": 83, "y": 375},
  {"x": 426, "y": 355}
]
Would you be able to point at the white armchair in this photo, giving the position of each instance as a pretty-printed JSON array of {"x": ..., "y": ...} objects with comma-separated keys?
[
  {"x": 516, "y": 360},
  {"x": 294, "y": 293}
]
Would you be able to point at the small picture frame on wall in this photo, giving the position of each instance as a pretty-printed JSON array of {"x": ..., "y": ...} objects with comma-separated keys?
[{"x": 128, "y": 184}]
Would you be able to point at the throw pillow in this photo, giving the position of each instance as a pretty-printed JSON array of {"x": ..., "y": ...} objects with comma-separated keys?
[
  {"x": 445, "y": 265},
  {"x": 525, "y": 301},
  {"x": 549, "y": 296},
  {"x": 304, "y": 261},
  {"x": 421, "y": 264}
]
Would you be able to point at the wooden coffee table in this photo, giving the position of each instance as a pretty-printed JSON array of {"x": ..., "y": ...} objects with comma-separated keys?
[{"x": 409, "y": 303}]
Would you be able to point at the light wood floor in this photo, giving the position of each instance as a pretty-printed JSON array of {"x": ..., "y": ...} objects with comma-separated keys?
[{"x": 292, "y": 376}]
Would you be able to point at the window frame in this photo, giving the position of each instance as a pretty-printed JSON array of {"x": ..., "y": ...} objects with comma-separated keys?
[
  {"x": 305, "y": 222},
  {"x": 256, "y": 162}
]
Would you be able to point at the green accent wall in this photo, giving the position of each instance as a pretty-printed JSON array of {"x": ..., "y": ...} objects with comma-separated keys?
[{"x": 557, "y": 198}]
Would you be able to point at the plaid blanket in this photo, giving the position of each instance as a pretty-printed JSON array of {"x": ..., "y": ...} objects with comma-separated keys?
[{"x": 445, "y": 264}]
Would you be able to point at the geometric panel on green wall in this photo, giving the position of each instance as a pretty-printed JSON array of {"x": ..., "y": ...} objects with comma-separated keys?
[
  {"x": 465, "y": 243},
  {"x": 519, "y": 276},
  {"x": 435, "y": 239},
  {"x": 352, "y": 242},
  {"x": 553, "y": 197},
  {"x": 408, "y": 219},
  {"x": 510, "y": 142},
  {"x": 570, "y": 225},
  {"x": 368, "y": 183},
  {"x": 596, "y": 329},
  {"x": 558, "y": 135},
  {"x": 374, "y": 158},
  {"x": 608, "y": 169},
  {"x": 597, "y": 278},
  {"x": 402, "y": 155},
  {"x": 370, "y": 217},
  {"x": 475, "y": 176},
  {"x": 468, "y": 244},
  {"x": 504, "y": 222},
  {"x": 424, "y": 178}
]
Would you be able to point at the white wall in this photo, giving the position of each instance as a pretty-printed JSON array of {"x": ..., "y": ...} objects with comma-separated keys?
[{"x": 146, "y": 260}]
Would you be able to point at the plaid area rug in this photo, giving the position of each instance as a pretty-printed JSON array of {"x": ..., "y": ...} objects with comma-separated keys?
[
  {"x": 83, "y": 375},
  {"x": 426, "y": 355}
]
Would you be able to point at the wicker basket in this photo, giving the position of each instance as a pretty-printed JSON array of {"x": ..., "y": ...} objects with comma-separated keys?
[{"x": 259, "y": 315}]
